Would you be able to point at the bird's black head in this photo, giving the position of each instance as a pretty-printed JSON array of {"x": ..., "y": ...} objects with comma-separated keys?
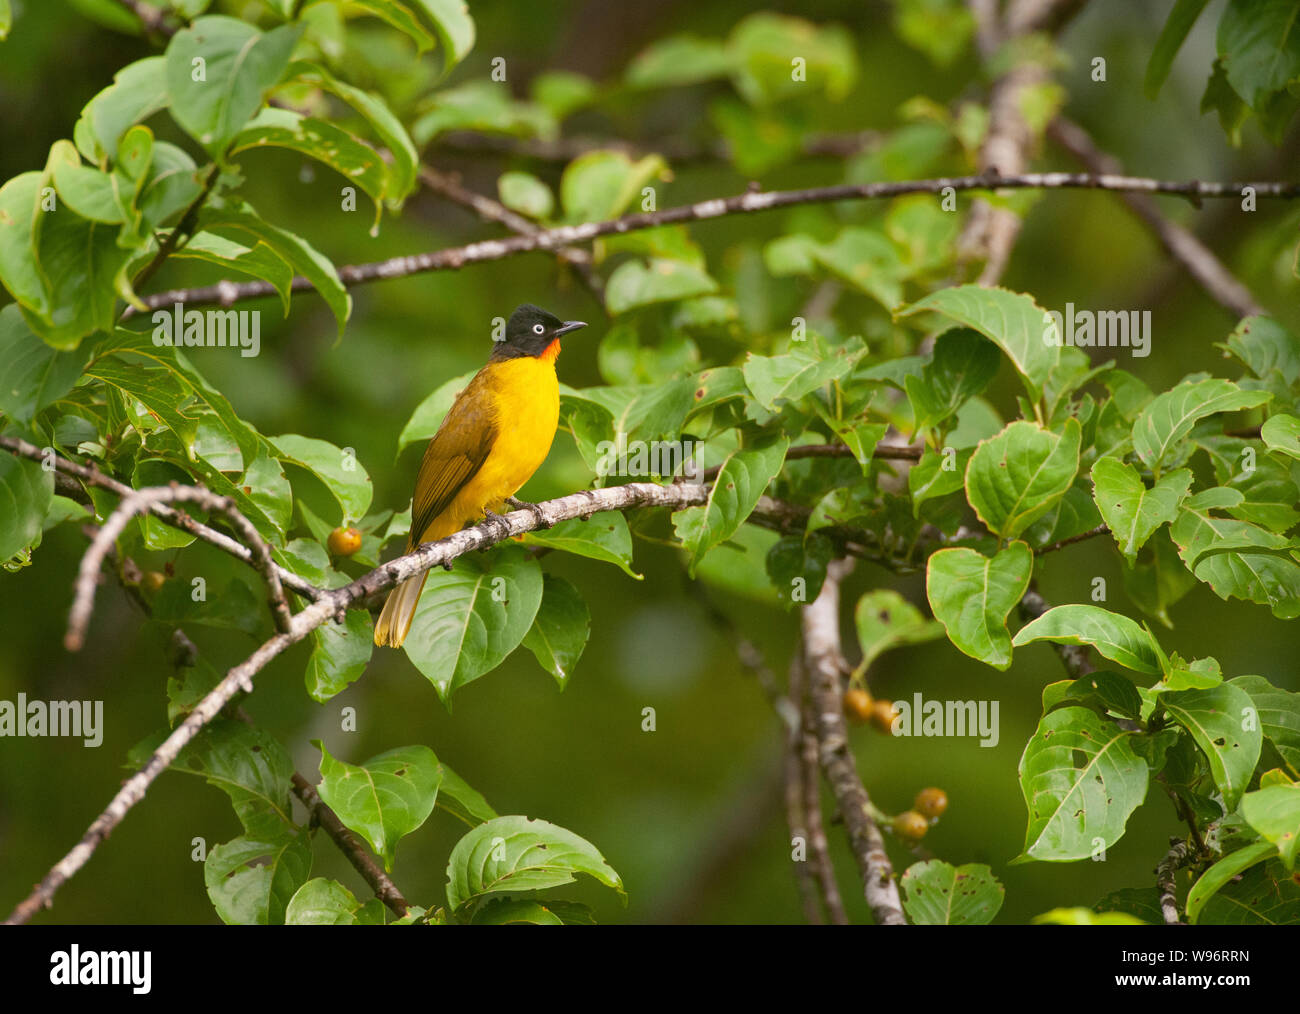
[{"x": 531, "y": 331}]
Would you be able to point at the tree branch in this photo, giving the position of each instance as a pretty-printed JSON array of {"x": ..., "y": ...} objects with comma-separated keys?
[
  {"x": 140, "y": 502},
  {"x": 164, "y": 513},
  {"x": 226, "y": 293},
  {"x": 821, "y": 635},
  {"x": 1167, "y": 881}
]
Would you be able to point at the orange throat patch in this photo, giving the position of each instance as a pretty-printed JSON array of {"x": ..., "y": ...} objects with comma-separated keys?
[{"x": 551, "y": 352}]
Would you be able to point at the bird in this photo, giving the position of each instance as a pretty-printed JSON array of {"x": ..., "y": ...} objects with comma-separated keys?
[{"x": 496, "y": 435}]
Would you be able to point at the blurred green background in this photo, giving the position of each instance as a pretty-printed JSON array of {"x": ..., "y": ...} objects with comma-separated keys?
[{"x": 690, "y": 815}]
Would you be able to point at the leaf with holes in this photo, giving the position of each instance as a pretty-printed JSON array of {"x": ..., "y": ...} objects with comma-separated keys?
[
  {"x": 1081, "y": 780},
  {"x": 936, "y": 893},
  {"x": 1222, "y": 721}
]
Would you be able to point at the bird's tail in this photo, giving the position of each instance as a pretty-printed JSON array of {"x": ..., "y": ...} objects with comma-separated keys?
[{"x": 399, "y": 609}]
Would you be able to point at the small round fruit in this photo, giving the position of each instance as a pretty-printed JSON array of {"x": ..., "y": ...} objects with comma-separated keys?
[
  {"x": 911, "y": 824},
  {"x": 883, "y": 714},
  {"x": 930, "y": 802},
  {"x": 344, "y": 541},
  {"x": 857, "y": 704},
  {"x": 153, "y": 581}
]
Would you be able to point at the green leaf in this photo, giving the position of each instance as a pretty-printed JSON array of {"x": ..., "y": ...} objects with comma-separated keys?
[
  {"x": 1019, "y": 475},
  {"x": 1081, "y": 780},
  {"x": 603, "y": 537},
  {"x": 1085, "y": 917},
  {"x": 1279, "y": 717},
  {"x": 346, "y": 154},
  {"x": 471, "y": 617},
  {"x": 1259, "y": 43},
  {"x": 236, "y": 65},
  {"x": 1014, "y": 322},
  {"x": 1225, "y": 870},
  {"x": 1264, "y": 345},
  {"x": 866, "y": 259},
  {"x": 32, "y": 374},
  {"x": 250, "y": 880},
  {"x": 1221, "y": 721},
  {"x": 1179, "y": 23},
  {"x": 258, "y": 260},
  {"x": 1169, "y": 417},
  {"x": 1275, "y": 813},
  {"x": 936, "y": 474},
  {"x": 732, "y": 498},
  {"x": 972, "y": 595},
  {"x": 1114, "y": 635},
  {"x": 1111, "y": 690},
  {"x": 1281, "y": 433},
  {"x": 21, "y": 215},
  {"x": 526, "y": 194},
  {"x": 460, "y": 800},
  {"x": 325, "y": 902},
  {"x": 518, "y": 854},
  {"x": 302, "y": 256},
  {"x": 248, "y": 764},
  {"x": 339, "y": 471},
  {"x": 515, "y": 912},
  {"x": 400, "y": 17},
  {"x": 26, "y": 491},
  {"x": 886, "y": 620},
  {"x": 640, "y": 283},
  {"x": 600, "y": 185},
  {"x": 936, "y": 893},
  {"x": 560, "y": 630},
  {"x": 340, "y": 653},
  {"x": 401, "y": 171},
  {"x": 1265, "y": 895},
  {"x": 679, "y": 60},
  {"x": 383, "y": 799},
  {"x": 454, "y": 27},
  {"x": 785, "y": 378},
  {"x": 962, "y": 365},
  {"x": 6, "y": 19},
  {"x": 138, "y": 91},
  {"x": 1131, "y": 510}
]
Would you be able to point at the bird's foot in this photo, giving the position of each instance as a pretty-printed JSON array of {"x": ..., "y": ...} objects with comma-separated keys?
[
  {"x": 531, "y": 508},
  {"x": 493, "y": 518}
]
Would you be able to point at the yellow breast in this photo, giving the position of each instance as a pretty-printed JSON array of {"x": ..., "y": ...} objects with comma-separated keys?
[{"x": 526, "y": 396}]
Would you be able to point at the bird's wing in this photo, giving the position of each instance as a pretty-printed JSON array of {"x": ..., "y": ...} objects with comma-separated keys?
[{"x": 456, "y": 452}]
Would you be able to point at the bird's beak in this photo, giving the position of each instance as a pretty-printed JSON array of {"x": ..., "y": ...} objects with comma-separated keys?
[{"x": 569, "y": 325}]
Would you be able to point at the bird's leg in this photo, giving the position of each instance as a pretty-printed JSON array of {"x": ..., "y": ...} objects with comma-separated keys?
[
  {"x": 496, "y": 519},
  {"x": 531, "y": 508}
]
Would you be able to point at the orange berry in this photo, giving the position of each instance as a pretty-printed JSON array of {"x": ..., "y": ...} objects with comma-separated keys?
[
  {"x": 857, "y": 704},
  {"x": 153, "y": 581},
  {"x": 883, "y": 714},
  {"x": 911, "y": 824},
  {"x": 930, "y": 802},
  {"x": 344, "y": 541}
]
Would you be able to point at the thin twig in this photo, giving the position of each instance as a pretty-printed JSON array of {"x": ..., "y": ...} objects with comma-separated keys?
[
  {"x": 821, "y": 638},
  {"x": 796, "y": 816},
  {"x": 1091, "y": 533},
  {"x": 139, "y": 502},
  {"x": 350, "y": 845},
  {"x": 819, "y": 849},
  {"x": 227, "y": 292}
]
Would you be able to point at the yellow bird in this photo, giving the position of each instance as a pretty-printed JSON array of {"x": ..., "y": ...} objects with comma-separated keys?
[{"x": 497, "y": 434}]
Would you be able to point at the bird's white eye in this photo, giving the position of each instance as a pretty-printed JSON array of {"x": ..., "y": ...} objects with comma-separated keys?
[{"x": 539, "y": 329}]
